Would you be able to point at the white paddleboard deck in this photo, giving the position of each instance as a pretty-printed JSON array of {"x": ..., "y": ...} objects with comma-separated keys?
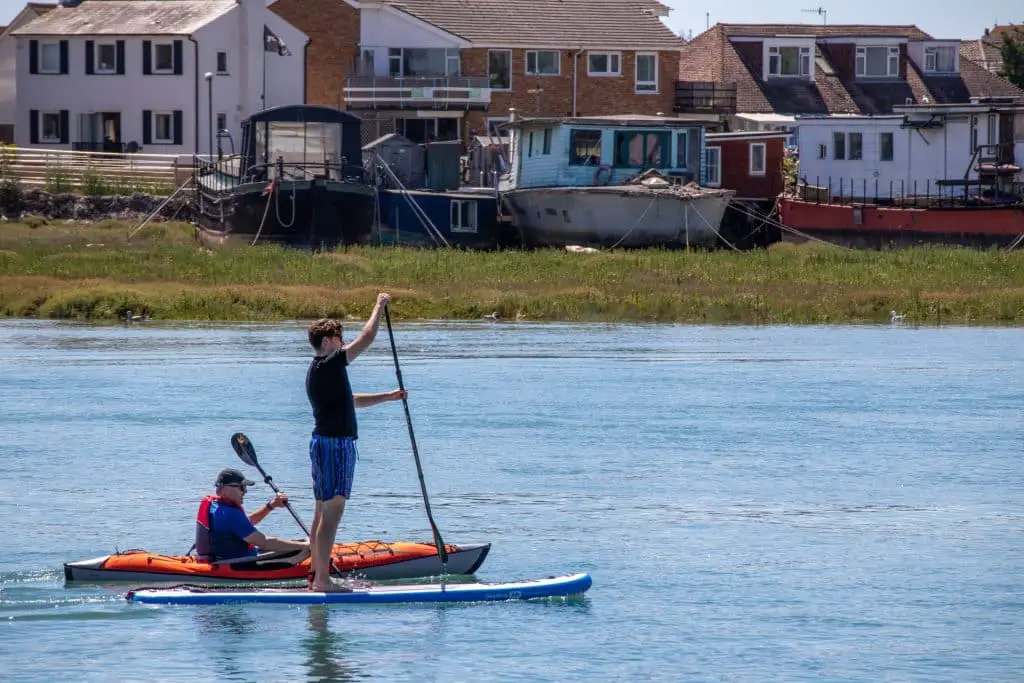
[{"x": 556, "y": 586}]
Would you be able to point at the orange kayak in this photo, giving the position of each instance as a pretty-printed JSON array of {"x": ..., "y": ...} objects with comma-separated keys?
[{"x": 373, "y": 560}]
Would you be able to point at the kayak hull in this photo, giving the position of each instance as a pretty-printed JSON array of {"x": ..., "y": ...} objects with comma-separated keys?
[
  {"x": 372, "y": 560},
  {"x": 556, "y": 586}
]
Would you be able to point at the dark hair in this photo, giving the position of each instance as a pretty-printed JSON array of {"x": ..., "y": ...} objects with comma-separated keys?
[{"x": 321, "y": 329}]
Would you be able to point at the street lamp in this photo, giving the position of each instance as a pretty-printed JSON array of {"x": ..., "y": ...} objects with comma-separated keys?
[{"x": 209, "y": 102}]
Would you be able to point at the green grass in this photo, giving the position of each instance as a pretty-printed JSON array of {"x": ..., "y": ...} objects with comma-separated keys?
[{"x": 62, "y": 270}]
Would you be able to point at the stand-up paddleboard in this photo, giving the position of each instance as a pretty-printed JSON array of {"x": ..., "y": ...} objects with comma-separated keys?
[{"x": 556, "y": 586}]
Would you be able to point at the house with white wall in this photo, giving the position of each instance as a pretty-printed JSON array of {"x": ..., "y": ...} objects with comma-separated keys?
[
  {"x": 159, "y": 76},
  {"x": 920, "y": 150},
  {"x": 763, "y": 76},
  {"x": 8, "y": 70}
]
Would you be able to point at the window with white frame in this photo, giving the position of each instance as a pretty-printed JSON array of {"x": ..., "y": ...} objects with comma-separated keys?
[
  {"x": 49, "y": 57},
  {"x": 603, "y": 64},
  {"x": 940, "y": 59},
  {"x": 106, "y": 58},
  {"x": 499, "y": 69},
  {"x": 879, "y": 61},
  {"x": 838, "y": 146},
  {"x": 463, "y": 216},
  {"x": 546, "y": 143},
  {"x": 789, "y": 60},
  {"x": 222, "y": 62},
  {"x": 713, "y": 157},
  {"x": 408, "y": 62},
  {"x": 757, "y": 158},
  {"x": 492, "y": 126},
  {"x": 163, "y": 127},
  {"x": 822, "y": 151},
  {"x": 49, "y": 126},
  {"x": 543, "y": 63},
  {"x": 847, "y": 146},
  {"x": 682, "y": 149},
  {"x": 992, "y": 136},
  {"x": 647, "y": 72},
  {"x": 885, "y": 147},
  {"x": 163, "y": 58},
  {"x": 855, "y": 146},
  {"x": 974, "y": 133}
]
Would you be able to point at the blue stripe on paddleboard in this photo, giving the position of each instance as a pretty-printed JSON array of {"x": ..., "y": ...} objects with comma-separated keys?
[{"x": 465, "y": 592}]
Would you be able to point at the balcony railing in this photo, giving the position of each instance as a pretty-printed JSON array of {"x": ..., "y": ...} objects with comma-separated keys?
[
  {"x": 702, "y": 97},
  {"x": 440, "y": 93}
]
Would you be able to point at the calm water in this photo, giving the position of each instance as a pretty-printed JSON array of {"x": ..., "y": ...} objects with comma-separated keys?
[{"x": 754, "y": 503}]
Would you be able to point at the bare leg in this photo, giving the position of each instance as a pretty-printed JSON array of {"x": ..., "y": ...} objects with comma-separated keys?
[
  {"x": 317, "y": 517},
  {"x": 325, "y": 533}
]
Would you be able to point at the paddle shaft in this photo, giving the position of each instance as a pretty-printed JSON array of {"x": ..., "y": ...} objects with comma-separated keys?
[
  {"x": 270, "y": 482},
  {"x": 438, "y": 541}
]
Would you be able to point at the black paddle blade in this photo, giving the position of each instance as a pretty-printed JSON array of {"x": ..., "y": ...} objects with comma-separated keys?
[{"x": 244, "y": 449}]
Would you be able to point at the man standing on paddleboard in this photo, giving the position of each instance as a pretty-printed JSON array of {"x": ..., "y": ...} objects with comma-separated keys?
[{"x": 332, "y": 447}]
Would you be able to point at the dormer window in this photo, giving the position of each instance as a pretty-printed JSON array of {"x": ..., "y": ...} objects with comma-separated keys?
[
  {"x": 940, "y": 59},
  {"x": 789, "y": 61},
  {"x": 879, "y": 62}
]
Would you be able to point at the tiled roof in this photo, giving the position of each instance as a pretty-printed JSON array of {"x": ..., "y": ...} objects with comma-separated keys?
[
  {"x": 995, "y": 35},
  {"x": 569, "y": 23},
  {"x": 823, "y": 31},
  {"x": 41, "y": 7},
  {"x": 127, "y": 17},
  {"x": 712, "y": 57}
]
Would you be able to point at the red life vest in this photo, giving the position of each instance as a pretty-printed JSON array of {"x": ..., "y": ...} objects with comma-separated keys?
[{"x": 212, "y": 545}]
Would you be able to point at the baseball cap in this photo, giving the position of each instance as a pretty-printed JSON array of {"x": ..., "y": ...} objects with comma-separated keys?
[{"x": 232, "y": 476}]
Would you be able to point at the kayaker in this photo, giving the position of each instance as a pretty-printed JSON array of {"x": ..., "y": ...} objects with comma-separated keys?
[
  {"x": 225, "y": 532},
  {"x": 332, "y": 446}
]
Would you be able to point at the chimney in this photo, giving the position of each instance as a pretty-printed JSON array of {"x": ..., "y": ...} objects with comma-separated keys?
[{"x": 986, "y": 31}]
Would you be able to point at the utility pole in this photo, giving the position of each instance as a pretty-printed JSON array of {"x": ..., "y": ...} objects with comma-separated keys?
[{"x": 818, "y": 10}]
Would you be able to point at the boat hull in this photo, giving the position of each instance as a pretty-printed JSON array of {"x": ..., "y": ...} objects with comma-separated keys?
[
  {"x": 875, "y": 227},
  {"x": 373, "y": 560},
  {"x": 623, "y": 215},
  {"x": 555, "y": 586},
  {"x": 399, "y": 222},
  {"x": 311, "y": 214}
]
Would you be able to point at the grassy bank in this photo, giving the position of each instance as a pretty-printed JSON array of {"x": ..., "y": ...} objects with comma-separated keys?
[{"x": 93, "y": 272}]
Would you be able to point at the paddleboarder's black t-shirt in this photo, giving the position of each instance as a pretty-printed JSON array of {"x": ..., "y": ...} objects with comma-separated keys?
[{"x": 330, "y": 394}]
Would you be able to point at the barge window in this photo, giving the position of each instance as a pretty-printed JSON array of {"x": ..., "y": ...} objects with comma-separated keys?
[
  {"x": 585, "y": 149},
  {"x": 757, "y": 158},
  {"x": 855, "y": 142},
  {"x": 638, "y": 149},
  {"x": 885, "y": 147},
  {"x": 463, "y": 216},
  {"x": 714, "y": 166},
  {"x": 683, "y": 150},
  {"x": 839, "y": 146}
]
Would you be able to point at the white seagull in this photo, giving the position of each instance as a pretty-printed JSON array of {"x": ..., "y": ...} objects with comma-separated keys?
[{"x": 895, "y": 319}]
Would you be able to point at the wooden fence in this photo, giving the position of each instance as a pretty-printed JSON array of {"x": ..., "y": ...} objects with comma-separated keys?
[{"x": 93, "y": 173}]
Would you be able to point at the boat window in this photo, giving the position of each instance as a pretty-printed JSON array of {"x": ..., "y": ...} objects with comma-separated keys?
[
  {"x": 585, "y": 149},
  {"x": 299, "y": 143},
  {"x": 638, "y": 149}
]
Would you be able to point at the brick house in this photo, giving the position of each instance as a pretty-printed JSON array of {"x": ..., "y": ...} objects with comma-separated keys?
[
  {"x": 759, "y": 77},
  {"x": 442, "y": 69},
  {"x": 986, "y": 51}
]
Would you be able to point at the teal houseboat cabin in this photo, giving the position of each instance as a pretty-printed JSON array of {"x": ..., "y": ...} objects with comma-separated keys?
[{"x": 627, "y": 180}]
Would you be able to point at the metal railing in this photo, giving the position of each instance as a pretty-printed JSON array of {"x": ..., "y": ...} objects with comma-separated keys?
[
  {"x": 215, "y": 175},
  {"x": 927, "y": 194},
  {"x": 705, "y": 97},
  {"x": 440, "y": 92}
]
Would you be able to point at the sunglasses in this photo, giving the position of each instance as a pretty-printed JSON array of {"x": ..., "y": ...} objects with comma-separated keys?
[{"x": 239, "y": 486}]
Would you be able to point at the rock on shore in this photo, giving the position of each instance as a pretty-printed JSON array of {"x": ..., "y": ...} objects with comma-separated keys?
[{"x": 16, "y": 204}]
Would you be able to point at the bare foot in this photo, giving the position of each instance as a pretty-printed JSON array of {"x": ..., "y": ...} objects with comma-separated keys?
[{"x": 330, "y": 587}]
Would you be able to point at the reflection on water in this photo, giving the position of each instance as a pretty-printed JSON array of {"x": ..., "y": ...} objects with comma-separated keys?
[
  {"x": 233, "y": 656},
  {"x": 325, "y": 659}
]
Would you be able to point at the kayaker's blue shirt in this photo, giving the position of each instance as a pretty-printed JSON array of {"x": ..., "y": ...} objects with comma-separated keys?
[{"x": 221, "y": 529}]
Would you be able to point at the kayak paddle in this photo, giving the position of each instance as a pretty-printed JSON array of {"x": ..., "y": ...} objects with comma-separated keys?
[
  {"x": 247, "y": 453},
  {"x": 442, "y": 553}
]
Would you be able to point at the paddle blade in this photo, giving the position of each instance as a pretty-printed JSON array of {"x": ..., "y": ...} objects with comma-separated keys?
[{"x": 244, "y": 449}]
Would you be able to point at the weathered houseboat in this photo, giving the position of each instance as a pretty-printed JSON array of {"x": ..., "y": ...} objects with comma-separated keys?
[
  {"x": 422, "y": 197},
  {"x": 930, "y": 173},
  {"x": 629, "y": 181},
  {"x": 299, "y": 180}
]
